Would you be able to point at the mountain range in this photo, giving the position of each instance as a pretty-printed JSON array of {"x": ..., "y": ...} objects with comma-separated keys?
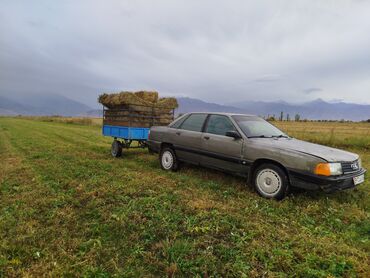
[
  {"x": 49, "y": 104},
  {"x": 313, "y": 110},
  {"x": 41, "y": 104}
]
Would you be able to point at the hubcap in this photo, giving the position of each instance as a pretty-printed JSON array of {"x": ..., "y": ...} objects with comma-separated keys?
[
  {"x": 167, "y": 160},
  {"x": 268, "y": 182}
]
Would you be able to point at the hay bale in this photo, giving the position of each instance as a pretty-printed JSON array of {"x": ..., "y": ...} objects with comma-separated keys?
[
  {"x": 141, "y": 109},
  {"x": 167, "y": 102},
  {"x": 148, "y": 96},
  {"x": 118, "y": 100},
  {"x": 140, "y": 98}
]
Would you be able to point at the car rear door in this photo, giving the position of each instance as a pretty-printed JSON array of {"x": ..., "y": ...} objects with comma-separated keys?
[
  {"x": 221, "y": 151},
  {"x": 187, "y": 138}
]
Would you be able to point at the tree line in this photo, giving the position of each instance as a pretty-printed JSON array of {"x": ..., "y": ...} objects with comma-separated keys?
[
  {"x": 297, "y": 118},
  {"x": 282, "y": 117}
]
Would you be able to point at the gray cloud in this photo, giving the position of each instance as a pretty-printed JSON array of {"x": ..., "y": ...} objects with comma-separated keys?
[
  {"x": 312, "y": 90},
  {"x": 260, "y": 50}
]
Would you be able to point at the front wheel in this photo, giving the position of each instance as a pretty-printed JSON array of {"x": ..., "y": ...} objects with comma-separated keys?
[
  {"x": 168, "y": 159},
  {"x": 270, "y": 181},
  {"x": 116, "y": 149}
]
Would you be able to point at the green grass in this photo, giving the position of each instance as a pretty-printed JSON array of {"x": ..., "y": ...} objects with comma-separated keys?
[{"x": 67, "y": 208}]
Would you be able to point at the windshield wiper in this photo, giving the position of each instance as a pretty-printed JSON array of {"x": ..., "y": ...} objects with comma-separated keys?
[
  {"x": 280, "y": 136},
  {"x": 260, "y": 136}
]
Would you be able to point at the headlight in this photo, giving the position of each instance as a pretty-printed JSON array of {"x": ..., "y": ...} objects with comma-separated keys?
[{"x": 328, "y": 169}]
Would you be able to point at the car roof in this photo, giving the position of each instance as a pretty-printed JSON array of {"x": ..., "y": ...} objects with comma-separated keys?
[{"x": 223, "y": 113}]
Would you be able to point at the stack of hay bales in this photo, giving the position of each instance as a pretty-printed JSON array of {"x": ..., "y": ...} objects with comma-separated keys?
[{"x": 140, "y": 109}]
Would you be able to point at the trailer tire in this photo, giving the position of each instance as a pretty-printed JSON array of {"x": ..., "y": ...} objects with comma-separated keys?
[
  {"x": 116, "y": 149},
  {"x": 168, "y": 159}
]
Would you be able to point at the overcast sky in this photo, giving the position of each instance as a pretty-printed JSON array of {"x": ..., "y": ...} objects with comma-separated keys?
[{"x": 219, "y": 51}]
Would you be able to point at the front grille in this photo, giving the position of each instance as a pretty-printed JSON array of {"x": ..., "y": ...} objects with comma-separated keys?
[{"x": 350, "y": 167}]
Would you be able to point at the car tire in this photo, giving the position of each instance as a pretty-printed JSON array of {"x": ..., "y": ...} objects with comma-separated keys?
[
  {"x": 271, "y": 181},
  {"x": 168, "y": 159},
  {"x": 116, "y": 149}
]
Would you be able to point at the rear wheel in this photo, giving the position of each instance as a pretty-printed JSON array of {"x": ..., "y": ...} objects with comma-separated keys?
[
  {"x": 270, "y": 181},
  {"x": 116, "y": 149},
  {"x": 168, "y": 159}
]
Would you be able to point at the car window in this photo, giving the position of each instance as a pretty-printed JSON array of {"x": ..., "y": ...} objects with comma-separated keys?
[
  {"x": 176, "y": 123},
  {"x": 194, "y": 122},
  {"x": 218, "y": 124}
]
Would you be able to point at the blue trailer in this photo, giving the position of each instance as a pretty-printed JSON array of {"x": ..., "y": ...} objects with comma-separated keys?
[{"x": 131, "y": 123}]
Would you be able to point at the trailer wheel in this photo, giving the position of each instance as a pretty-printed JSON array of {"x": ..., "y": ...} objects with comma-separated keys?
[{"x": 116, "y": 149}]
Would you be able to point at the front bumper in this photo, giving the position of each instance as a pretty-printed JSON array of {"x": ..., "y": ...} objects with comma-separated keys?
[{"x": 327, "y": 184}]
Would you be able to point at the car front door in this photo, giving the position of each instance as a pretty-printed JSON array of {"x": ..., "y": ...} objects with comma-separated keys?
[
  {"x": 187, "y": 138},
  {"x": 221, "y": 151}
]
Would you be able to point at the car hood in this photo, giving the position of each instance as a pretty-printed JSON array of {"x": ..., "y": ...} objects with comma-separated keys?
[{"x": 326, "y": 153}]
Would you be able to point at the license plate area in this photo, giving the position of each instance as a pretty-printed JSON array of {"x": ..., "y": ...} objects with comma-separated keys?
[{"x": 359, "y": 179}]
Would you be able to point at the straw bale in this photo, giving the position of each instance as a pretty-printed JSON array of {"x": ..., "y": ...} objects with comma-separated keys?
[
  {"x": 148, "y": 96},
  {"x": 140, "y": 98},
  {"x": 141, "y": 109},
  {"x": 167, "y": 102}
]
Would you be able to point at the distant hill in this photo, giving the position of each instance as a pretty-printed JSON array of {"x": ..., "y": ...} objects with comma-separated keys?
[
  {"x": 315, "y": 110},
  {"x": 195, "y": 105},
  {"x": 48, "y": 104},
  {"x": 11, "y": 107},
  {"x": 41, "y": 104}
]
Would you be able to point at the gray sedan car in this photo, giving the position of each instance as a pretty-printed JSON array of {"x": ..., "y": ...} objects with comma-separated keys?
[{"x": 251, "y": 147}]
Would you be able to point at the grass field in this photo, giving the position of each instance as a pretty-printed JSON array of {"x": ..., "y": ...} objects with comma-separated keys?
[{"x": 67, "y": 208}]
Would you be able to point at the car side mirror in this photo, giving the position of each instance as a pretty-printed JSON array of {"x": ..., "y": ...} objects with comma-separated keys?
[{"x": 233, "y": 134}]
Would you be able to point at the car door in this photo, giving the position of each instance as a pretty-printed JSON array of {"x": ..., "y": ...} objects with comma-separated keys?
[
  {"x": 187, "y": 138},
  {"x": 222, "y": 152}
]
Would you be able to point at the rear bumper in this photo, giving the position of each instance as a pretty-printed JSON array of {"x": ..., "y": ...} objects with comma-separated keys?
[
  {"x": 328, "y": 184},
  {"x": 154, "y": 146}
]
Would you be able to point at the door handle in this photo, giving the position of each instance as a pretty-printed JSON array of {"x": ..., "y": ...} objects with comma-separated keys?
[
  {"x": 178, "y": 133},
  {"x": 206, "y": 137}
]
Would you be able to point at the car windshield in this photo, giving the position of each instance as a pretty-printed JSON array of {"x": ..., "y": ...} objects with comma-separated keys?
[{"x": 255, "y": 127}]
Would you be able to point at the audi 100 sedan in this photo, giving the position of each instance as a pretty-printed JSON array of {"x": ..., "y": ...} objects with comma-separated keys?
[{"x": 251, "y": 147}]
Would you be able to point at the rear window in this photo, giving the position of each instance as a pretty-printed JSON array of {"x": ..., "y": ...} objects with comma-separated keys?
[{"x": 194, "y": 122}]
